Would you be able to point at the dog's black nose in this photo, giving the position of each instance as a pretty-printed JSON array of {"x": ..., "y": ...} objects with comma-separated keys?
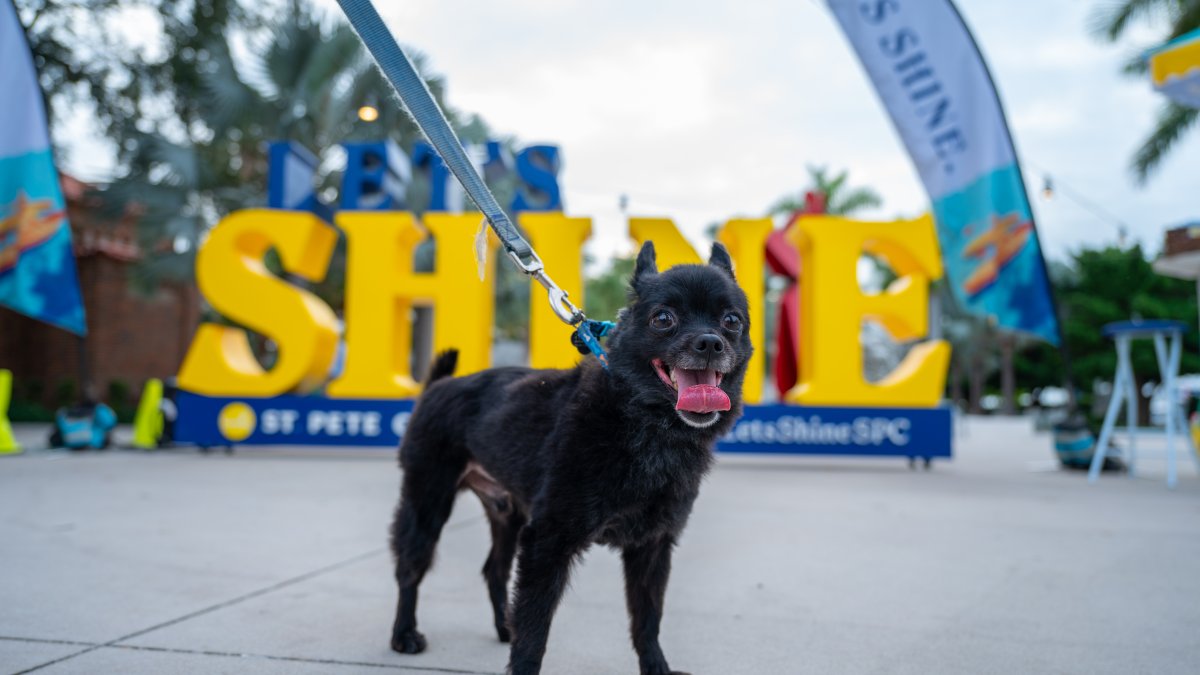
[{"x": 708, "y": 344}]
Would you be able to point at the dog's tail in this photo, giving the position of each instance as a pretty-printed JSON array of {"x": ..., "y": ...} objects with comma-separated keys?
[{"x": 442, "y": 366}]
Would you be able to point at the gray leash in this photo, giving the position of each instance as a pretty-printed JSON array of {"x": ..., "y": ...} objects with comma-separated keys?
[{"x": 410, "y": 88}]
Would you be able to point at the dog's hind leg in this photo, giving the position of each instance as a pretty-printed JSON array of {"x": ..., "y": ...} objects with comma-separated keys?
[
  {"x": 505, "y": 529},
  {"x": 426, "y": 498},
  {"x": 506, "y": 520}
]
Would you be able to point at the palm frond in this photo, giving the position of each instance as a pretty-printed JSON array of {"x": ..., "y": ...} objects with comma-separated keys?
[
  {"x": 1111, "y": 21},
  {"x": 337, "y": 53},
  {"x": 786, "y": 206},
  {"x": 291, "y": 42},
  {"x": 1136, "y": 64},
  {"x": 835, "y": 185},
  {"x": 1187, "y": 20},
  {"x": 817, "y": 175},
  {"x": 855, "y": 200},
  {"x": 1173, "y": 121},
  {"x": 179, "y": 163},
  {"x": 229, "y": 99}
]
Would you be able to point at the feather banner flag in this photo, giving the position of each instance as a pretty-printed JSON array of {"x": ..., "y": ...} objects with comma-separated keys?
[
  {"x": 37, "y": 264},
  {"x": 932, "y": 79}
]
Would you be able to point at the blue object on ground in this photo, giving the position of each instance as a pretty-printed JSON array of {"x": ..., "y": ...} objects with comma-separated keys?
[{"x": 85, "y": 426}]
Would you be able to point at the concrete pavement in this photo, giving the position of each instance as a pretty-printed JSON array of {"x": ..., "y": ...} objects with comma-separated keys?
[{"x": 275, "y": 561}]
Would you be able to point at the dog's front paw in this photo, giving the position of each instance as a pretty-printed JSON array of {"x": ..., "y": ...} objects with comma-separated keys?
[
  {"x": 503, "y": 633},
  {"x": 408, "y": 642}
]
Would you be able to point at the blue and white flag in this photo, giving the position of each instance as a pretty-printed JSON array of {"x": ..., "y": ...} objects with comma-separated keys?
[
  {"x": 931, "y": 77},
  {"x": 37, "y": 264}
]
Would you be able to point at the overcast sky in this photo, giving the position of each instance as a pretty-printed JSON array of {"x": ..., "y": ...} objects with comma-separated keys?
[{"x": 702, "y": 111}]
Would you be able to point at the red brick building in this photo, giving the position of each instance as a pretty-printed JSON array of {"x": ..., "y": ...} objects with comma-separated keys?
[{"x": 131, "y": 336}]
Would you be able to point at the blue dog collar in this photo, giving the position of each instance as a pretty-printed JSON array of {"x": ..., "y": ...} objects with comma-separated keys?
[{"x": 589, "y": 333}]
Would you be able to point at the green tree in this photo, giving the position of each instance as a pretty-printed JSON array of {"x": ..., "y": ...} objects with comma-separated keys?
[
  {"x": 1106, "y": 285},
  {"x": 606, "y": 293},
  {"x": 147, "y": 101},
  {"x": 1178, "y": 17},
  {"x": 67, "y": 76},
  {"x": 86, "y": 56},
  {"x": 841, "y": 199},
  {"x": 304, "y": 80},
  {"x": 190, "y": 122}
]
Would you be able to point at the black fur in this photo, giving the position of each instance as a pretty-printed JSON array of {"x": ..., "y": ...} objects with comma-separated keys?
[{"x": 562, "y": 459}]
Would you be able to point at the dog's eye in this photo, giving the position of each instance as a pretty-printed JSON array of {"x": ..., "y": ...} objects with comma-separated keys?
[
  {"x": 663, "y": 320},
  {"x": 731, "y": 323}
]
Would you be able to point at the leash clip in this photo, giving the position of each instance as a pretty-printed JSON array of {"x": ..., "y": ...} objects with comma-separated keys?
[
  {"x": 559, "y": 303},
  {"x": 561, "y": 306}
]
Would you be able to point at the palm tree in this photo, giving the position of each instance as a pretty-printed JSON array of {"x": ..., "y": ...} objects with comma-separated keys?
[
  {"x": 840, "y": 198},
  {"x": 1180, "y": 16},
  {"x": 306, "y": 84},
  {"x": 177, "y": 189},
  {"x": 304, "y": 81}
]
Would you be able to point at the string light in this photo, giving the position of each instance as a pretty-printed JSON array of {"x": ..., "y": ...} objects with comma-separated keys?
[{"x": 1052, "y": 188}]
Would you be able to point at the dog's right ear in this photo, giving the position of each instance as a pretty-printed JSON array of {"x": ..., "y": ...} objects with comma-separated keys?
[{"x": 645, "y": 264}]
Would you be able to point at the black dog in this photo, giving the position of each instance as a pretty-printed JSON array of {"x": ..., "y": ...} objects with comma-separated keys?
[{"x": 562, "y": 459}]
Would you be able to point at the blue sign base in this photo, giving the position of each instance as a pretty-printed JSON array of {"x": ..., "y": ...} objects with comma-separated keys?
[{"x": 771, "y": 429}]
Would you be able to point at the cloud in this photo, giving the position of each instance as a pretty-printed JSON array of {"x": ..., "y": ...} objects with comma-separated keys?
[{"x": 704, "y": 110}]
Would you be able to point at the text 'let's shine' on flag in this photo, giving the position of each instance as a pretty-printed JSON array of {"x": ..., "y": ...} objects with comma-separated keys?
[
  {"x": 37, "y": 265},
  {"x": 932, "y": 79}
]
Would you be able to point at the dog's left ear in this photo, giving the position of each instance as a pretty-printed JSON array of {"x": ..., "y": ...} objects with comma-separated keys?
[{"x": 720, "y": 259}]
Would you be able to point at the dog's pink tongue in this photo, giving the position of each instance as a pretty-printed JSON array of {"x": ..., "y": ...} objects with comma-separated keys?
[{"x": 698, "y": 391}]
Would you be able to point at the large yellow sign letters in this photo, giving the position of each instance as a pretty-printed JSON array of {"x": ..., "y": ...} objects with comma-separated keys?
[
  {"x": 832, "y": 309},
  {"x": 382, "y": 288},
  {"x": 232, "y": 276}
]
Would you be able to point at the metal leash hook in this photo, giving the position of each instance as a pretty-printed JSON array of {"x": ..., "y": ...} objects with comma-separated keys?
[
  {"x": 587, "y": 333},
  {"x": 562, "y": 307}
]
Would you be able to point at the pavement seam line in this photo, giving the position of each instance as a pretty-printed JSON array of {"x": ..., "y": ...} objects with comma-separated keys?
[
  {"x": 251, "y": 595},
  {"x": 274, "y": 587},
  {"x": 304, "y": 659},
  {"x": 212, "y": 608},
  {"x": 91, "y": 648},
  {"x": 59, "y": 660},
  {"x": 48, "y": 641},
  {"x": 228, "y": 603}
]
